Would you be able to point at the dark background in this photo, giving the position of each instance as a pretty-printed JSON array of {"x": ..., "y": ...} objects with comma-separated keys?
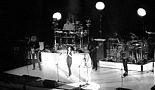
[{"x": 20, "y": 19}]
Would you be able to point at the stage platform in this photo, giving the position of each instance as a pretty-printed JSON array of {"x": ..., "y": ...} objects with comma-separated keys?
[
  {"x": 107, "y": 77},
  {"x": 135, "y": 67}
]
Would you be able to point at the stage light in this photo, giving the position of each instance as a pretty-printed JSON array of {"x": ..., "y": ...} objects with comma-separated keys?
[
  {"x": 141, "y": 12},
  {"x": 100, "y": 6},
  {"x": 57, "y": 15}
]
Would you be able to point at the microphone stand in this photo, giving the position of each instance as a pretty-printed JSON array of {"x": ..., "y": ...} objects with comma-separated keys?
[
  {"x": 28, "y": 61},
  {"x": 28, "y": 54},
  {"x": 86, "y": 65},
  {"x": 79, "y": 72},
  {"x": 57, "y": 73},
  {"x": 28, "y": 69},
  {"x": 58, "y": 70}
]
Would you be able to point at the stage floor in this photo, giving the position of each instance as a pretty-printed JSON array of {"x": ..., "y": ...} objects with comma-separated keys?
[{"x": 105, "y": 78}]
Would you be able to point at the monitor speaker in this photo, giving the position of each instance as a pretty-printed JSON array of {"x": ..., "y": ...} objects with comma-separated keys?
[{"x": 50, "y": 83}]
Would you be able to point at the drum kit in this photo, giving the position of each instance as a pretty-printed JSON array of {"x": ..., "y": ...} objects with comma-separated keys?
[
  {"x": 137, "y": 50},
  {"x": 72, "y": 37}
]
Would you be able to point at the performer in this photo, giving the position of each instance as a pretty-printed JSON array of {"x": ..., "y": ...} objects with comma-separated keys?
[
  {"x": 68, "y": 28},
  {"x": 125, "y": 58},
  {"x": 34, "y": 51},
  {"x": 92, "y": 47},
  {"x": 68, "y": 25},
  {"x": 69, "y": 59}
]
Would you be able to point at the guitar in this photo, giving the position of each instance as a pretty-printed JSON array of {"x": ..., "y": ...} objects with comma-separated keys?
[{"x": 34, "y": 50}]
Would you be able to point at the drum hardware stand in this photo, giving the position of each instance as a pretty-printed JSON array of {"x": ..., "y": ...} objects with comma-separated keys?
[
  {"x": 100, "y": 31},
  {"x": 79, "y": 72},
  {"x": 55, "y": 27},
  {"x": 142, "y": 59},
  {"x": 122, "y": 77},
  {"x": 152, "y": 33},
  {"x": 81, "y": 39},
  {"x": 88, "y": 25},
  {"x": 55, "y": 43}
]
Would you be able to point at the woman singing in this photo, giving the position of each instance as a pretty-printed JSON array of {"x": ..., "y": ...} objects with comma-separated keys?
[{"x": 69, "y": 58}]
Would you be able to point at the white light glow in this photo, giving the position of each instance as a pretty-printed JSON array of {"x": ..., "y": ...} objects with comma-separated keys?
[
  {"x": 100, "y": 6},
  {"x": 57, "y": 15},
  {"x": 141, "y": 12},
  {"x": 78, "y": 68}
]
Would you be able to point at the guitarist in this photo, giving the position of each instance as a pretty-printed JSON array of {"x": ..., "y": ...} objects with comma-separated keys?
[
  {"x": 34, "y": 51},
  {"x": 125, "y": 57},
  {"x": 92, "y": 47}
]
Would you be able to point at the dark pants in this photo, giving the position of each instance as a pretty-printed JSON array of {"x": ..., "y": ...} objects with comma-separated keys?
[
  {"x": 69, "y": 63},
  {"x": 93, "y": 57},
  {"x": 35, "y": 59},
  {"x": 125, "y": 65}
]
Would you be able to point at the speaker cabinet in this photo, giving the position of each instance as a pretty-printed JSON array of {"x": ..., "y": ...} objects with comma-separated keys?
[{"x": 50, "y": 83}]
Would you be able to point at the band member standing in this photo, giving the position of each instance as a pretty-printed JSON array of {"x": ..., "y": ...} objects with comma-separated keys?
[
  {"x": 34, "y": 51},
  {"x": 125, "y": 58},
  {"x": 92, "y": 47},
  {"x": 68, "y": 28},
  {"x": 69, "y": 58},
  {"x": 68, "y": 25}
]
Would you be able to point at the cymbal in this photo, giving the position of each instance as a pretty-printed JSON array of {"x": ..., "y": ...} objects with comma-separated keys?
[
  {"x": 102, "y": 40},
  {"x": 58, "y": 31},
  {"x": 112, "y": 39}
]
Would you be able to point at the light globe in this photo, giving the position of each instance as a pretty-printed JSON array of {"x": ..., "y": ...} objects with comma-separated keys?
[{"x": 57, "y": 15}]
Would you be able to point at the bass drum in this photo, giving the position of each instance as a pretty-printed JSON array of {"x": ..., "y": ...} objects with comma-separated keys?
[
  {"x": 113, "y": 52},
  {"x": 120, "y": 48}
]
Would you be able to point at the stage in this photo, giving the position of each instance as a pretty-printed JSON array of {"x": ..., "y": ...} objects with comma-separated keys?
[
  {"x": 107, "y": 77},
  {"x": 131, "y": 67}
]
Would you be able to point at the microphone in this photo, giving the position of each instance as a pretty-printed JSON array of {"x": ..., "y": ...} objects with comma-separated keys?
[{"x": 147, "y": 32}]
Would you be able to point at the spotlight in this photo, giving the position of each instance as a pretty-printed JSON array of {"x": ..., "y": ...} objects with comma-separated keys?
[
  {"x": 100, "y": 6},
  {"x": 141, "y": 12},
  {"x": 57, "y": 15}
]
